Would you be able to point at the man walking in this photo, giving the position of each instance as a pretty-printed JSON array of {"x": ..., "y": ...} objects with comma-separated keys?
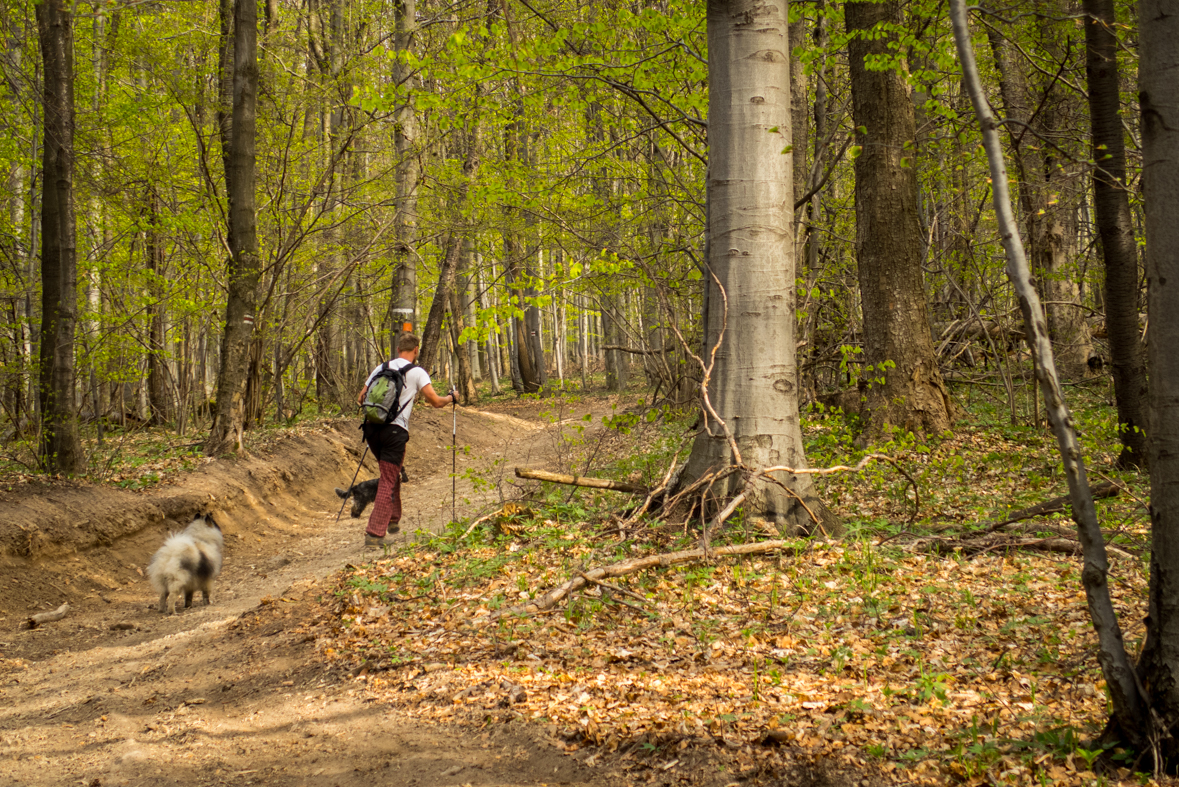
[{"x": 387, "y": 441}]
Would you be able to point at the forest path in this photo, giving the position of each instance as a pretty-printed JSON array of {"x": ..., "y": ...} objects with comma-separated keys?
[{"x": 118, "y": 694}]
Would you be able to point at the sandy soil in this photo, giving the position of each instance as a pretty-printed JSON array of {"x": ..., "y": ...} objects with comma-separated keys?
[{"x": 118, "y": 694}]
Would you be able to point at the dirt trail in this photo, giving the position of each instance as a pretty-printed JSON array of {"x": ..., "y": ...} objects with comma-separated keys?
[{"x": 118, "y": 694}]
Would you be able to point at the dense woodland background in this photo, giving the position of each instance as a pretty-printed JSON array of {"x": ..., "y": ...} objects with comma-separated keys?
[
  {"x": 555, "y": 154},
  {"x": 220, "y": 216}
]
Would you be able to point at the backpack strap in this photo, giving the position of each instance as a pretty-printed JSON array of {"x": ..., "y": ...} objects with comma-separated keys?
[{"x": 403, "y": 371}]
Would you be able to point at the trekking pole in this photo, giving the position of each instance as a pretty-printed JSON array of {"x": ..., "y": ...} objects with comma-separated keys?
[
  {"x": 362, "y": 458},
  {"x": 453, "y": 454}
]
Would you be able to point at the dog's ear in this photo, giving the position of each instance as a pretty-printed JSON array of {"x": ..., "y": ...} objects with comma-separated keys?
[{"x": 211, "y": 522}]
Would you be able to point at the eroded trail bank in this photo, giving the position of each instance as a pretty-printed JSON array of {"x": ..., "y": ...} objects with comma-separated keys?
[{"x": 116, "y": 693}]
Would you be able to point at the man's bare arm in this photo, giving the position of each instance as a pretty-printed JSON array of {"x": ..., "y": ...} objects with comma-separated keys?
[{"x": 436, "y": 400}]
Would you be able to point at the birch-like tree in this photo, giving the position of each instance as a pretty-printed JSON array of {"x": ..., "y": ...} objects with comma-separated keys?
[{"x": 750, "y": 388}]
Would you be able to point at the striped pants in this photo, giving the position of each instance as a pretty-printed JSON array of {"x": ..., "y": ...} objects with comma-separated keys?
[{"x": 386, "y": 512}]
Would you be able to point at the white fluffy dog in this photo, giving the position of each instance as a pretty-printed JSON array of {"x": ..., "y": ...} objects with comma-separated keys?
[{"x": 187, "y": 562}]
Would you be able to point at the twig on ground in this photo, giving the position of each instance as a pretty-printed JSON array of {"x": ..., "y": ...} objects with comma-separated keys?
[
  {"x": 48, "y": 617},
  {"x": 612, "y": 588}
]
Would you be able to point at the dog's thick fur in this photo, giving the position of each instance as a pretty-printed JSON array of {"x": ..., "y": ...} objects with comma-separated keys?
[
  {"x": 187, "y": 562},
  {"x": 364, "y": 493}
]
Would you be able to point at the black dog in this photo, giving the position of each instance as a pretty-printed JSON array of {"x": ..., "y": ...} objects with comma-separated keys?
[{"x": 364, "y": 493}]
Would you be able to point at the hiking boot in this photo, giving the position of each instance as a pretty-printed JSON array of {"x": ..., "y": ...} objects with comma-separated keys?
[
  {"x": 373, "y": 542},
  {"x": 394, "y": 528}
]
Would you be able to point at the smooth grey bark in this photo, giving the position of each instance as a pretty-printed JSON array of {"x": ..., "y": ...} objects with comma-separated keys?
[
  {"x": 1111, "y": 654},
  {"x": 61, "y": 446},
  {"x": 910, "y": 395},
  {"x": 749, "y": 391},
  {"x": 404, "y": 304},
  {"x": 1158, "y": 46},
  {"x": 157, "y": 361},
  {"x": 1111, "y": 203},
  {"x": 614, "y": 335},
  {"x": 244, "y": 265}
]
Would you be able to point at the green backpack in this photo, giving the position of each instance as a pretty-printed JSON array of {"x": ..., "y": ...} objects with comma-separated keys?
[{"x": 382, "y": 400}]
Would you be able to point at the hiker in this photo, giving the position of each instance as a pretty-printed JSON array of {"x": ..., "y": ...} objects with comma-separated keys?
[{"x": 387, "y": 441}]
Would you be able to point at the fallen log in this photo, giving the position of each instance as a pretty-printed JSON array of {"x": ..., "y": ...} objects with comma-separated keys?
[
  {"x": 594, "y": 576},
  {"x": 1053, "y": 506},
  {"x": 578, "y": 480},
  {"x": 49, "y": 617}
]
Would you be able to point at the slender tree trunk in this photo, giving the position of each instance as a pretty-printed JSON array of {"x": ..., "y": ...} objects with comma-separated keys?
[
  {"x": 1111, "y": 203},
  {"x": 493, "y": 361},
  {"x": 1158, "y": 42},
  {"x": 467, "y": 305},
  {"x": 404, "y": 302},
  {"x": 157, "y": 361},
  {"x": 244, "y": 266},
  {"x": 61, "y": 447},
  {"x": 749, "y": 393},
  {"x": 466, "y": 382},
  {"x": 822, "y": 111},
  {"x": 614, "y": 330},
  {"x": 534, "y": 327},
  {"x": 800, "y": 130},
  {"x": 511, "y": 345},
  {"x": 902, "y": 385},
  {"x": 1111, "y": 652}
]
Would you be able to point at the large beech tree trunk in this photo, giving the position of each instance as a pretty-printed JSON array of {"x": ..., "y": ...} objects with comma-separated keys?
[
  {"x": 244, "y": 265},
  {"x": 61, "y": 447},
  {"x": 1111, "y": 203},
  {"x": 750, "y": 393},
  {"x": 910, "y": 395},
  {"x": 1158, "y": 666}
]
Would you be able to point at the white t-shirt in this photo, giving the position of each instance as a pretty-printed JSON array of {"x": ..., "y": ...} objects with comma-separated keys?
[{"x": 417, "y": 379}]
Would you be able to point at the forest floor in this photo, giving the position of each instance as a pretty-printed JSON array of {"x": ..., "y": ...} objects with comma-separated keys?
[
  {"x": 234, "y": 693},
  {"x": 932, "y": 644}
]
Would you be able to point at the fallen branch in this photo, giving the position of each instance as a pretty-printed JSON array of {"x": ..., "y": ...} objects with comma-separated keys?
[
  {"x": 845, "y": 469},
  {"x": 49, "y": 617},
  {"x": 994, "y": 542},
  {"x": 578, "y": 480},
  {"x": 476, "y": 524},
  {"x": 613, "y": 588},
  {"x": 1053, "y": 506},
  {"x": 626, "y": 567}
]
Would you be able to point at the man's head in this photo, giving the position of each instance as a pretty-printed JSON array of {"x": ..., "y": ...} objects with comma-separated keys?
[{"x": 408, "y": 343}]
